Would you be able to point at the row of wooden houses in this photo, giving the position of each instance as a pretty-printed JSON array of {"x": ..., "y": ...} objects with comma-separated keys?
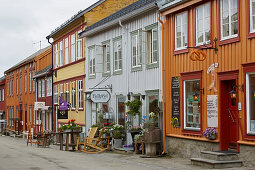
[{"x": 194, "y": 60}]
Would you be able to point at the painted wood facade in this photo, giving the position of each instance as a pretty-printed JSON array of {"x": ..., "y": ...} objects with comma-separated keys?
[{"x": 2, "y": 103}]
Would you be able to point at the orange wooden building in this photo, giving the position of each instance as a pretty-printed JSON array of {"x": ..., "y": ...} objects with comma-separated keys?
[
  {"x": 211, "y": 89},
  {"x": 21, "y": 91}
]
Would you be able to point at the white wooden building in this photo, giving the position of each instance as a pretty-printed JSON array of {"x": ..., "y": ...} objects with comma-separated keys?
[{"x": 123, "y": 56}]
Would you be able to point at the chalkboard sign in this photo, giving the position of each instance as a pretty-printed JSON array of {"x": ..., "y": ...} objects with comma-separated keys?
[
  {"x": 62, "y": 114},
  {"x": 176, "y": 101}
]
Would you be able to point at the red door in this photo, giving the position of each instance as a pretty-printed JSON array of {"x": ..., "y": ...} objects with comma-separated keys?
[{"x": 228, "y": 116}]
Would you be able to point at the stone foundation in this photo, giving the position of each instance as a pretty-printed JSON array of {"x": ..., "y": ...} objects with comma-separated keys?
[
  {"x": 187, "y": 148},
  {"x": 247, "y": 155}
]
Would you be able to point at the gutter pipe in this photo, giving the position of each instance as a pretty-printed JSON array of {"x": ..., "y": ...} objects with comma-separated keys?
[{"x": 164, "y": 91}]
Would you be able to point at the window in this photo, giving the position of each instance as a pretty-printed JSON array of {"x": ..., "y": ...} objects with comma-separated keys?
[
  {"x": 20, "y": 83},
  {"x": 61, "y": 53},
  {"x": 3, "y": 94},
  {"x": 250, "y": 100},
  {"x": 80, "y": 94},
  {"x": 39, "y": 88},
  {"x": 203, "y": 24},
  {"x": 67, "y": 92},
  {"x": 73, "y": 48},
  {"x": 106, "y": 57},
  {"x": 73, "y": 96},
  {"x": 229, "y": 19},
  {"x": 43, "y": 88},
  {"x": 55, "y": 94},
  {"x": 7, "y": 88},
  {"x": 121, "y": 110},
  {"x": 0, "y": 95},
  {"x": 12, "y": 87},
  {"x": 152, "y": 45},
  {"x": 17, "y": 85},
  {"x": 153, "y": 106},
  {"x": 252, "y": 16},
  {"x": 25, "y": 82},
  {"x": 33, "y": 81},
  {"x": 30, "y": 81},
  {"x": 192, "y": 104},
  {"x": 117, "y": 54},
  {"x": 56, "y": 55},
  {"x": 49, "y": 87},
  {"x": 136, "y": 48},
  {"x": 92, "y": 61},
  {"x": 61, "y": 90},
  {"x": 79, "y": 47},
  {"x": 181, "y": 24},
  {"x": 67, "y": 50}
]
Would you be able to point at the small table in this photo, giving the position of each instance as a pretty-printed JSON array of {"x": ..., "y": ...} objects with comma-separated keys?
[
  {"x": 140, "y": 142},
  {"x": 73, "y": 141}
]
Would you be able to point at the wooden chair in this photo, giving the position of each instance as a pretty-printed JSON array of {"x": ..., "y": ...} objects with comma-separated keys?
[
  {"x": 95, "y": 145},
  {"x": 92, "y": 133},
  {"x": 30, "y": 134}
]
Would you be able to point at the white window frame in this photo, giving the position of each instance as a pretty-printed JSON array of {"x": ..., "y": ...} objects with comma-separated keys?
[
  {"x": 7, "y": 83},
  {"x": 25, "y": 82},
  {"x": 67, "y": 92},
  {"x": 230, "y": 22},
  {"x": 12, "y": 86},
  {"x": 33, "y": 81},
  {"x": 49, "y": 86},
  {"x": 117, "y": 59},
  {"x": 20, "y": 83},
  {"x": 66, "y": 50},
  {"x": 182, "y": 26},
  {"x": 185, "y": 104},
  {"x": 106, "y": 57},
  {"x": 248, "y": 104},
  {"x": 17, "y": 85},
  {"x": 3, "y": 95},
  {"x": 56, "y": 55},
  {"x": 39, "y": 89},
  {"x": 137, "y": 37},
  {"x": 61, "y": 58},
  {"x": 203, "y": 6},
  {"x": 30, "y": 81},
  {"x": 150, "y": 45},
  {"x": 73, "y": 51},
  {"x": 80, "y": 94},
  {"x": 43, "y": 88},
  {"x": 252, "y": 30},
  {"x": 79, "y": 47},
  {"x": 0, "y": 95},
  {"x": 56, "y": 94},
  {"x": 92, "y": 60},
  {"x": 73, "y": 95}
]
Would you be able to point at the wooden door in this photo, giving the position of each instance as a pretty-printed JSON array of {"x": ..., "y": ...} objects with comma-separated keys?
[{"x": 229, "y": 116}]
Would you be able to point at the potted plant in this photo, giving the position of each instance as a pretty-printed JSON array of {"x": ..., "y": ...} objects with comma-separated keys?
[
  {"x": 210, "y": 133},
  {"x": 134, "y": 107},
  {"x": 117, "y": 134}
]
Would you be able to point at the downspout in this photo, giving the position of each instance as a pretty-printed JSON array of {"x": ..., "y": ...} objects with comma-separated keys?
[
  {"x": 164, "y": 91},
  {"x": 52, "y": 104}
]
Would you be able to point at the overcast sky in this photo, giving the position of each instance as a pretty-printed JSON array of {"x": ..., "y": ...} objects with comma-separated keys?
[{"x": 23, "y": 23}]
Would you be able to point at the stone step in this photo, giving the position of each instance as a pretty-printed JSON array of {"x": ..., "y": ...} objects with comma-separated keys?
[
  {"x": 216, "y": 164},
  {"x": 219, "y": 156}
]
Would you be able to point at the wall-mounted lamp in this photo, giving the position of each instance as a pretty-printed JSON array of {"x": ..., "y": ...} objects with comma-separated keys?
[
  {"x": 143, "y": 97},
  {"x": 196, "y": 95},
  {"x": 233, "y": 92},
  {"x": 129, "y": 95}
]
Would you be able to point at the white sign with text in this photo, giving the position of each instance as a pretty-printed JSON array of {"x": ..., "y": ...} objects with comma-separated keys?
[
  {"x": 100, "y": 96},
  {"x": 212, "y": 111}
]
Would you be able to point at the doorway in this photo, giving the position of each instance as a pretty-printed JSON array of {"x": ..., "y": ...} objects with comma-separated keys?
[{"x": 228, "y": 116}]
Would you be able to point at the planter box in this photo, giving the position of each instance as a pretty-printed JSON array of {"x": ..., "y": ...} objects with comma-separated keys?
[
  {"x": 152, "y": 136},
  {"x": 117, "y": 143}
]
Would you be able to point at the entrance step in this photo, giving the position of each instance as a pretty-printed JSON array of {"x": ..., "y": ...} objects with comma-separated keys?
[{"x": 218, "y": 159}]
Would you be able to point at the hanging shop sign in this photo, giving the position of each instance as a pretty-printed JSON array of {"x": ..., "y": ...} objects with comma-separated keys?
[
  {"x": 211, "y": 70},
  {"x": 100, "y": 96},
  {"x": 62, "y": 104},
  {"x": 62, "y": 114},
  {"x": 176, "y": 101},
  {"x": 212, "y": 111},
  {"x": 39, "y": 105}
]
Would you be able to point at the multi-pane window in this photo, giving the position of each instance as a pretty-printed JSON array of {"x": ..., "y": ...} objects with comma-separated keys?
[
  {"x": 7, "y": 88},
  {"x": 61, "y": 90},
  {"x": 61, "y": 58},
  {"x": 49, "y": 86},
  {"x": 25, "y": 82},
  {"x": 43, "y": 88},
  {"x": 20, "y": 84},
  {"x": 106, "y": 57},
  {"x": 67, "y": 92},
  {"x": 33, "y": 81},
  {"x": 3, "y": 94},
  {"x": 73, "y": 48},
  {"x": 67, "y": 50},
  {"x": 152, "y": 45},
  {"x": 0, "y": 95},
  {"x": 12, "y": 87},
  {"x": 30, "y": 81},
  {"x": 136, "y": 48},
  {"x": 203, "y": 24},
  {"x": 39, "y": 88},
  {"x": 79, "y": 47},
  {"x": 55, "y": 94},
  {"x": 252, "y": 16},
  {"x": 73, "y": 95},
  {"x": 250, "y": 101},
  {"x": 80, "y": 94},
  {"x": 92, "y": 61},
  {"x": 117, "y": 55},
  {"x": 181, "y": 24},
  {"x": 56, "y": 55},
  {"x": 229, "y": 19},
  {"x": 17, "y": 85},
  {"x": 192, "y": 104}
]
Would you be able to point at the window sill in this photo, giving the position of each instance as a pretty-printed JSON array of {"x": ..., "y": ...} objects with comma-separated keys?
[
  {"x": 152, "y": 65},
  {"x": 117, "y": 72},
  {"x": 81, "y": 109},
  {"x": 192, "y": 132},
  {"x": 229, "y": 41},
  {"x": 177, "y": 52},
  {"x": 92, "y": 76},
  {"x": 251, "y": 35},
  {"x": 137, "y": 68},
  {"x": 106, "y": 74}
]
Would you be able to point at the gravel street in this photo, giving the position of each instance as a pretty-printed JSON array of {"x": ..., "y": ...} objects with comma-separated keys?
[{"x": 16, "y": 155}]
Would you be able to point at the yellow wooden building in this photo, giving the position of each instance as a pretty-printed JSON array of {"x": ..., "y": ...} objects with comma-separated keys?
[{"x": 69, "y": 58}]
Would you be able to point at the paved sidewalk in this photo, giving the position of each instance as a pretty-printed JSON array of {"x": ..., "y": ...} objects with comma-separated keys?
[{"x": 14, "y": 154}]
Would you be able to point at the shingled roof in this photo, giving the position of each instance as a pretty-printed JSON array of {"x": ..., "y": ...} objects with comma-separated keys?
[
  {"x": 166, "y": 4},
  {"x": 28, "y": 59},
  {"x": 44, "y": 71},
  {"x": 124, "y": 11}
]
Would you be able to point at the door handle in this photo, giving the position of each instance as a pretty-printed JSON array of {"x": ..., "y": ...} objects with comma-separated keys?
[{"x": 230, "y": 115}]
